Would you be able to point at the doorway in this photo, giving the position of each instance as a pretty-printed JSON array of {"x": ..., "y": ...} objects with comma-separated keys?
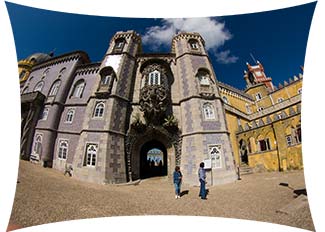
[{"x": 153, "y": 159}]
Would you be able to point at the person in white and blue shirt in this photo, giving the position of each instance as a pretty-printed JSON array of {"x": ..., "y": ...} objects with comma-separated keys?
[{"x": 202, "y": 179}]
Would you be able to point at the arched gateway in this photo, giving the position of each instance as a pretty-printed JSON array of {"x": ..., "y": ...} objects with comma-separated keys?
[{"x": 146, "y": 148}]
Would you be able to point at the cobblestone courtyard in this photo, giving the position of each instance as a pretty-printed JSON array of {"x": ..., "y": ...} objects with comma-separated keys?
[{"x": 45, "y": 195}]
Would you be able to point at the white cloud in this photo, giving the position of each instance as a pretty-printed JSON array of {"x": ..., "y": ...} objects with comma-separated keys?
[
  {"x": 224, "y": 57},
  {"x": 213, "y": 32}
]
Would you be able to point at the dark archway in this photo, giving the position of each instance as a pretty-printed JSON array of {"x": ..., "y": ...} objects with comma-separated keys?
[
  {"x": 153, "y": 159},
  {"x": 243, "y": 152}
]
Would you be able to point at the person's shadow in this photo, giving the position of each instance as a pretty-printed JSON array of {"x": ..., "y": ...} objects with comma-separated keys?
[{"x": 185, "y": 192}]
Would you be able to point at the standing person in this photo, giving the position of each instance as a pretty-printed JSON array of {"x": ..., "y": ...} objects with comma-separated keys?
[
  {"x": 202, "y": 177},
  {"x": 177, "y": 181}
]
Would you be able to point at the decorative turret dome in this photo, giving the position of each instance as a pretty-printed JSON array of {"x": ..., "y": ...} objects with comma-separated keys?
[{"x": 39, "y": 57}]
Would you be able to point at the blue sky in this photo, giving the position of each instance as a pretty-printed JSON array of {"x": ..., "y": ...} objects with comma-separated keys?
[{"x": 276, "y": 38}]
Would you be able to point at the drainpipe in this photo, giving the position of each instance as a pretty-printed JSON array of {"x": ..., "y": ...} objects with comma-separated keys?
[{"x": 277, "y": 148}]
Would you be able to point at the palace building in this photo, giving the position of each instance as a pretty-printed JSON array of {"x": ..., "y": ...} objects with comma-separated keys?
[{"x": 135, "y": 115}]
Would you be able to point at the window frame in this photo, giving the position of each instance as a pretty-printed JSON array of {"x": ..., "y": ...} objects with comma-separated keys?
[
  {"x": 154, "y": 78},
  {"x": 99, "y": 112},
  {"x": 79, "y": 88},
  {"x": 37, "y": 88},
  {"x": 55, "y": 88},
  {"x": 70, "y": 116},
  {"x": 258, "y": 96},
  {"x": 208, "y": 111},
  {"x": 90, "y": 159},
  {"x": 60, "y": 153}
]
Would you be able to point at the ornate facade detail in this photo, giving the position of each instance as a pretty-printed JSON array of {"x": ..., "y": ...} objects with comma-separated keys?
[{"x": 153, "y": 102}]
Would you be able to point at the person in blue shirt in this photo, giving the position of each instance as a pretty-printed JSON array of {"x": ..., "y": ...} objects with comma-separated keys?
[
  {"x": 177, "y": 181},
  {"x": 202, "y": 179}
]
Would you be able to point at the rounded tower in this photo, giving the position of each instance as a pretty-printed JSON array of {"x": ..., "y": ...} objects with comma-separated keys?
[{"x": 204, "y": 130}]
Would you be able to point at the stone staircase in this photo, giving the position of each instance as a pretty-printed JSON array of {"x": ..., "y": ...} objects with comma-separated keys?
[{"x": 244, "y": 169}]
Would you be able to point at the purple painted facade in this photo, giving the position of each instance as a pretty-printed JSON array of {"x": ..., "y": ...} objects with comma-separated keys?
[{"x": 97, "y": 139}]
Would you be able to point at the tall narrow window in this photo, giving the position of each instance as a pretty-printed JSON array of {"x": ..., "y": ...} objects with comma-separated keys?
[
  {"x": 79, "y": 88},
  {"x": 154, "y": 78},
  {"x": 193, "y": 44},
  {"x": 45, "y": 113},
  {"x": 99, "y": 110},
  {"x": 105, "y": 79},
  {"x": 63, "y": 149},
  {"x": 38, "y": 144},
  {"x": 119, "y": 44},
  {"x": 91, "y": 155},
  {"x": 55, "y": 88},
  {"x": 39, "y": 86},
  {"x": 208, "y": 111},
  {"x": 70, "y": 115},
  {"x": 258, "y": 96}
]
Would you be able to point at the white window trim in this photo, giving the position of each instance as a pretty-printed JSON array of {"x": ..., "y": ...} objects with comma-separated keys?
[
  {"x": 85, "y": 164},
  {"x": 210, "y": 146},
  {"x": 61, "y": 140},
  {"x": 34, "y": 142},
  {"x": 39, "y": 86},
  {"x": 225, "y": 100},
  {"x": 211, "y": 115},
  {"x": 79, "y": 89},
  {"x": 95, "y": 108},
  {"x": 258, "y": 96},
  {"x": 260, "y": 109},
  {"x": 152, "y": 78},
  {"x": 55, "y": 88},
  {"x": 72, "y": 117}
]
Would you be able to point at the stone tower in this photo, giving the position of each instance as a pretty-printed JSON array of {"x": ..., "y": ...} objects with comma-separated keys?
[
  {"x": 204, "y": 132},
  {"x": 107, "y": 113}
]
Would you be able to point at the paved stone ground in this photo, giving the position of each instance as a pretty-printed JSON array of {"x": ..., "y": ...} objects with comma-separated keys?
[{"x": 45, "y": 195}]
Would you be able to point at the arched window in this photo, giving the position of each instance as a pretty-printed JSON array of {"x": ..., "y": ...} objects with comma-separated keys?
[
  {"x": 225, "y": 99},
  {"x": 39, "y": 86},
  {"x": 91, "y": 155},
  {"x": 70, "y": 115},
  {"x": 55, "y": 88},
  {"x": 38, "y": 144},
  {"x": 154, "y": 78},
  {"x": 208, "y": 111},
  {"x": 45, "y": 73},
  {"x": 79, "y": 88},
  {"x": 63, "y": 149},
  {"x": 119, "y": 44},
  {"x": 204, "y": 77},
  {"x": 99, "y": 110},
  {"x": 194, "y": 44},
  {"x": 280, "y": 99}
]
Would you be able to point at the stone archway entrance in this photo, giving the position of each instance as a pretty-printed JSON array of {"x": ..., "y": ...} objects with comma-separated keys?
[
  {"x": 243, "y": 152},
  {"x": 153, "y": 159}
]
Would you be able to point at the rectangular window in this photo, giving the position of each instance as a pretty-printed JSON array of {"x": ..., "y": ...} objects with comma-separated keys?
[
  {"x": 264, "y": 144},
  {"x": 258, "y": 96},
  {"x": 289, "y": 140},
  {"x": 215, "y": 155}
]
